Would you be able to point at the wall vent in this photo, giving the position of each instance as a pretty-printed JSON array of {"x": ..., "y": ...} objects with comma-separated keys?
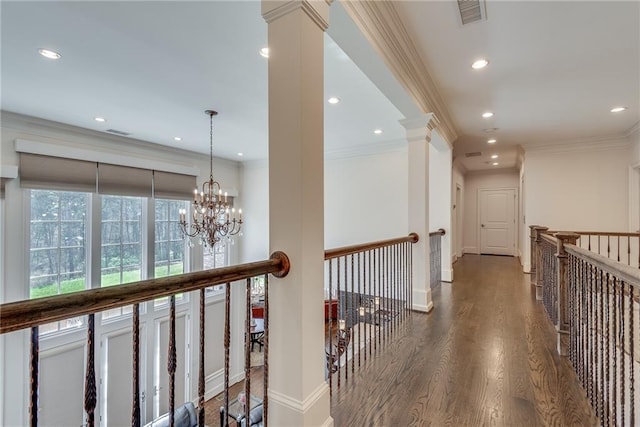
[
  {"x": 118, "y": 132},
  {"x": 471, "y": 11},
  {"x": 474, "y": 154}
]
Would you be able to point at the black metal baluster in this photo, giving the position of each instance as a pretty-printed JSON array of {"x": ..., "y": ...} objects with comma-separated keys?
[
  {"x": 34, "y": 373},
  {"x": 371, "y": 301},
  {"x": 247, "y": 351},
  {"x": 607, "y": 341},
  {"x": 623, "y": 352},
  {"x": 360, "y": 312},
  {"x": 329, "y": 353},
  {"x": 135, "y": 412},
  {"x": 615, "y": 349},
  {"x": 227, "y": 347},
  {"x": 352, "y": 318},
  {"x": 632, "y": 401},
  {"x": 341, "y": 308},
  {"x": 265, "y": 368},
  {"x": 172, "y": 359},
  {"x": 90, "y": 394},
  {"x": 347, "y": 315},
  {"x": 376, "y": 291},
  {"x": 601, "y": 360},
  {"x": 201, "y": 372}
]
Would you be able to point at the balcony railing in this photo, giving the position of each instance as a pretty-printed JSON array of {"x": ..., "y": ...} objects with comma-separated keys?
[
  {"x": 33, "y": 313},
  {"x": 435, "y": 256},
  {"x": 593, "y": 299},
  {"x": 369, "y": 293}
]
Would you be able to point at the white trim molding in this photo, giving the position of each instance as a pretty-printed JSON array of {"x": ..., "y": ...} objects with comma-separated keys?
[
  {"x": 380, "y": 23},
  {"x": 619, "y": 142},
  {"x": 318, "y": 11}
]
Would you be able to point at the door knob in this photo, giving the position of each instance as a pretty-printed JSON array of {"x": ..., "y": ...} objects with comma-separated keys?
[{"x": 482, "y": 226}]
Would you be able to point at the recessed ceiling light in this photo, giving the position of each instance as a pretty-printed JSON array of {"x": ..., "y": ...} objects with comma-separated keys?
[
  {"x": 618, "y": 109},
  {"x": 491, "y": 141},
  {"x": 264, "y": 52},
  {"x": 495, "y": 156},
  {"x": 177, "y": 138},
  {"x": 49, "y": 54},
  {"x": 377, "y": 131},
  {"x": 480, "y": 63},
  {"x": 495, "y": 163},
  {"x": 490, "y": 130},
  {"x": 333, "y": 100},
  {"x": 487, "y": 114},
  {"x": 100, "y": 119},
  {"x": 240, "y": 154}
]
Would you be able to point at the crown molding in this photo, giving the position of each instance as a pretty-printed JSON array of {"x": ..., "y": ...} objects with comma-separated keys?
[
  {"x": 578, "y": 145},
  {"x": 380, "y": 23},
  {"x": 633, "y": 129},
  {"x": 317, "y": 10},
  {"x": 74, "y": 138}
]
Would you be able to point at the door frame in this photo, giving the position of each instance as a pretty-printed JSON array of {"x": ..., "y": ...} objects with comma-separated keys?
[{"x": 515, "y": 216}]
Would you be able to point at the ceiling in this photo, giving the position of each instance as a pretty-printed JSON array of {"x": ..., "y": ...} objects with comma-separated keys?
[{"x": 152, "y": 68}]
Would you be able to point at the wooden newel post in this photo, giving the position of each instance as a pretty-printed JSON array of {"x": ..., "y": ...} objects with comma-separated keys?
[
  {"x": 563, "y": 286},
  {"x": 538, "y": 230}
]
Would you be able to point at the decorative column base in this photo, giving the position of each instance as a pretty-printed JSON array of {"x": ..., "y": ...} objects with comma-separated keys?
[
  {"x": 562, "y": 341},
  {"x": 422, "y": 300},
  {"x": 538, "y": 291},
  {"x": 292, "y": 412}
]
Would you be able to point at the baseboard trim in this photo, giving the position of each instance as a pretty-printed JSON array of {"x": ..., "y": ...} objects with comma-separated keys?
[
  {"x": 300, "y": 405},
  {"x": 447, "y": 275}
]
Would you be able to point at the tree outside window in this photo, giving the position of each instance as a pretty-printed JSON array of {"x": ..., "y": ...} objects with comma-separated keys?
[{"x": 57, "y": 235}]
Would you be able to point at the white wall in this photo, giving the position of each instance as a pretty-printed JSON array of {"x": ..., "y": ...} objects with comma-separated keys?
[
  {"x": 475, "y": 181},
  {"x": 578, "y": 190},
  {"x": 69, "y": 141},
  {"x": 254, "y": 245},
  {"x": 366, "y": 198}
]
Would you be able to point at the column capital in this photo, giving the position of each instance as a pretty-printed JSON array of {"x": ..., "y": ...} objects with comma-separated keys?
[
  {"x": 317, "y": 10},
  {"x": 420, "y": 128}
]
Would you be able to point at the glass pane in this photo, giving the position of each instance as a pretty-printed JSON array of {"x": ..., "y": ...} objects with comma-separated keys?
[
  {"x": 162, "y": 208},
  {"x": 131, "y": 208},
  {"x": 72, "y": 262},
  {"x": 161, "y": 231},
  {"x": 110, "y": 232},
  {"x": 174, "y": 231},
  {"x": 73, "y": 206},
  {"x": 131, "y": 232},
  {"x": 111, "y": 207},
  {"x": 72, "y": 233},
  {"x": 44, "y": 234}
]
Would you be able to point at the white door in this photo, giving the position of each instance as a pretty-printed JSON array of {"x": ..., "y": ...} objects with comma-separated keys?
[{"x": 497, "y": 212}]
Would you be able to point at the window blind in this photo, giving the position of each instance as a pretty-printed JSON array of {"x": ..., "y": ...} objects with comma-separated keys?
[
  {"x": 167, "y": 185},
  {"x": 57, "y": 173},
  {"x": 124, "y": 181}
]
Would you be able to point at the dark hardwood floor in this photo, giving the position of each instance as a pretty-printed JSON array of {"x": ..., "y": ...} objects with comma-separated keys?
[{"x": 484, "y": 356}]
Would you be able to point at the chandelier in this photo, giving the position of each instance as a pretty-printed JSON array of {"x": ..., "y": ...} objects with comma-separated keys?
[{"x": 213, "y": 218}]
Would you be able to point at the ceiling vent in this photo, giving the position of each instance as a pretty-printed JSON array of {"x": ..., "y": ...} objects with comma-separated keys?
[
  {"x": 472, "y": 11},
  {"x": 118, "y": 132},
  {"x": 474, "y": 154}
]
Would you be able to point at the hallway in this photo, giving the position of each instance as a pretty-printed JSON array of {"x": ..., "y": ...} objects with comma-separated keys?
[{"x": 484, "y": 356}]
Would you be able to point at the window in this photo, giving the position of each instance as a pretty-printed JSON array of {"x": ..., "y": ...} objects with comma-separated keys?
[
  {"x": 169, "y": 243},
  {"x": 216, "y": 257},
  {"x": 121, "y": 248},
  {"x": 57, "y": 255}
]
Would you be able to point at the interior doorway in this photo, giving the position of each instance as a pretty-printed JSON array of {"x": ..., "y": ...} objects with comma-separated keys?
[
  {"x": 497, "y": 219},
  {"x": 457, "y": 224}
]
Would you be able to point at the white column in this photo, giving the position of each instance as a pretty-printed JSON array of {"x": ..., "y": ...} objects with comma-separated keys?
[
  {"x": 298, "y": 393},
  {"x": 441, "y": 197},
  {"x": 418, "y": 137}
]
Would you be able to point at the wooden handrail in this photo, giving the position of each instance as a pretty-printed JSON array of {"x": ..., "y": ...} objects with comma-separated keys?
[
  {"x": 24, "y": 314},
  {"x": 348, "y": 250},
  {"x": 595, "y": 233},
  {"x": 440, "y": 231},
  {"x": 624, "y": 272}
]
